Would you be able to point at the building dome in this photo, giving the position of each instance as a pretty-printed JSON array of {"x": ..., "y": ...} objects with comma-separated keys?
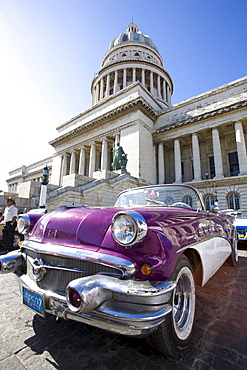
[
  {"x": 132, "y": 57},
  {"x": 132, "y": 34}
]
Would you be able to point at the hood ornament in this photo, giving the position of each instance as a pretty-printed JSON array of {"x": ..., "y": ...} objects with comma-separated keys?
[{"x": 38, "y": 269}]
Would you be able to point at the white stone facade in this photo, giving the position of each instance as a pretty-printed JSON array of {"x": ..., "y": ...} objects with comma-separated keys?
[{"x": 201, "y": 141}]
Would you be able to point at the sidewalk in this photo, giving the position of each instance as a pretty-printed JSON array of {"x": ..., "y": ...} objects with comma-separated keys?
[{"x": 220, "y": 340}]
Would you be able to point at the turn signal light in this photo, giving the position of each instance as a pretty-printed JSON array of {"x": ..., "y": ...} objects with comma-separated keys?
[
  {"x": 74, "y": 298},
  {"x": 146, "y": 269}
]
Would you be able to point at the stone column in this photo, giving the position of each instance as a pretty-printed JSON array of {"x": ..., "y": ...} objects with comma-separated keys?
[
  {"x": 72, "y": 162},
  {"x": 177, "y": 159},
  {"x": 108, "y": 85},
  {"x": 217, "y": 155},
  {"x": 92, "y": 160},
  {"x": 241, "y": 148},
  {"x": 82, "y": 161},
  {"x": 117, "y": 138},
  {"x": 133, "y": 75},
  {"x": 164, "y": 91},
  {"x": 143, "y": 77},
  {"x": 196, "y": 158},
  {"x": 64, "y": 165},
  {"x": 96, "y": 93},
  {"x": 158, "y": 83},
  {"x": 161, "y": 164},
  {"x": 101, "y": 88},
  {"x": 115, "y": 82},
  {"x": 104, "y": 155},
  {"x": 124, "y": 78},
  {"x": 151, "y": 82}
]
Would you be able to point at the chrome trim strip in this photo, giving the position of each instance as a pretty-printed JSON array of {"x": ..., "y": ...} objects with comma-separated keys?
[{"x": 125, "y": 266}]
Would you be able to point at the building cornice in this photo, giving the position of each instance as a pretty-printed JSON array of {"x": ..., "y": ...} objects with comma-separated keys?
[
  {"x": 139, "y": 102},
  {"x": 201, "y": 117}
]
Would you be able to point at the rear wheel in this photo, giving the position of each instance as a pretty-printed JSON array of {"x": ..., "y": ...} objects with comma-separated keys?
[{"x": 175, "y": 333}]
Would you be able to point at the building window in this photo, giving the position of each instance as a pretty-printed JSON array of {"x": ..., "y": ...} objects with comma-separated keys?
[
  {"x": 188, "y": 200},
  {"x": 125, "y": 37},
  {"x": 233, "y": 201},
  {"x": 209, "y": 201},
  {"x": 146, "y": 40},
  {"x": 233, "y": 164},
  {"x": 182, "y": 171},
  {"x": 169, "y": 201},
  {"x": 211, "y": 167}
]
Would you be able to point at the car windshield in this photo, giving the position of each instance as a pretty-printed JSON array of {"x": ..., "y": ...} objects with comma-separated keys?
[{"x": 166, "y": 195}]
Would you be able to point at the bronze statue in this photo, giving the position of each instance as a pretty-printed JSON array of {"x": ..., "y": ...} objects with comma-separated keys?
[{"x": 119, "y": 158}]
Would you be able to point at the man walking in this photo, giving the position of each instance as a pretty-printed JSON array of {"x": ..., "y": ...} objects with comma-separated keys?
[{"x": 9, "y": 216}]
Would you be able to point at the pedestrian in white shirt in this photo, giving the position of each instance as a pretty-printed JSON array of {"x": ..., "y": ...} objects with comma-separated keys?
[{"x": 9, "y": 216}]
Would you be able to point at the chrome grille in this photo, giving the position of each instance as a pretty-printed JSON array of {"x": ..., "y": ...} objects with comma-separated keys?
[{"x": 62, "y": 270}]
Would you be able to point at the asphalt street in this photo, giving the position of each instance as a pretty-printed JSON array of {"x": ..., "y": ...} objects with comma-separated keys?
[{"x": 220, "y": 340}]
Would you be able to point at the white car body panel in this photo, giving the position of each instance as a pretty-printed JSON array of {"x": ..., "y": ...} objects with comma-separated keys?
[{"x": 213, "y": 253}]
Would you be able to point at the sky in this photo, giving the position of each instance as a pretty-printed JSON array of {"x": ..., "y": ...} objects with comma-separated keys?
[{"x": 51, "y": 49}]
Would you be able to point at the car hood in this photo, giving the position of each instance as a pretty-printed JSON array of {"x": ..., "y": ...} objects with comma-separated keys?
[{"x": 73, "y": 226}]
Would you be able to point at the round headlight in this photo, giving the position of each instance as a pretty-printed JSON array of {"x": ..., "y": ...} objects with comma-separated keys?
[
  {"x": 128, "y": 227},
  {"x": 23, "y": 224}
]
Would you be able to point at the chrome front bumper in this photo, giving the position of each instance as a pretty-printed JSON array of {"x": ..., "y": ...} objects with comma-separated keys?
[{"x": 128, "y": 307}]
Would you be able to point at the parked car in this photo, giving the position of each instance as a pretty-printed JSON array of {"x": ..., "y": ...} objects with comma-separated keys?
[
  {"x": 130, "y": 269},
  {"x": 18, "y": 237},
  {"x": 241, "y": 224}
]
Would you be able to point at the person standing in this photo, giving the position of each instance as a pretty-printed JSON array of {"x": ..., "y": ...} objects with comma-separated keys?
[{"x": 9, "y": 216}]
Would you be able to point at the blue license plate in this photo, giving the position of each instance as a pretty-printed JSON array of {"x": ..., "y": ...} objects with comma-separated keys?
[{"x": 33, "y": 300}]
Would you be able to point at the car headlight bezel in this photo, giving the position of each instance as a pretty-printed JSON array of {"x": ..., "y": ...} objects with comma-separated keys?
[
  {"x": 128, "y": 228},
  {"x": 23, "y": 224}
]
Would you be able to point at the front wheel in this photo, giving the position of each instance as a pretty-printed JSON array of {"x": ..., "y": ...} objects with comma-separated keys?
[
  {"x": 233, "y": 258},
  {"x": 174, "y": 334}
]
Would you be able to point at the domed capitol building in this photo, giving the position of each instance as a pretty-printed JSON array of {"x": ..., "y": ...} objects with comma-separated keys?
[{"x": 200, "y": 141}]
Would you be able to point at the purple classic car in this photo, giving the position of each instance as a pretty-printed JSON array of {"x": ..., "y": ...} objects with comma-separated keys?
[{"x": 130, "y": 269}]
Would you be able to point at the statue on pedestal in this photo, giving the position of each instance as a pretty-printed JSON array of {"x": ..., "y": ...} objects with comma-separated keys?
[{"x": 119, "y": 158}]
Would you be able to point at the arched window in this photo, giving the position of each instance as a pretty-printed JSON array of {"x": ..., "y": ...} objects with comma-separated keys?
[
  {"x": 209, "y": 201},
  {"x": 169, "y": 201},
  {"x": 233, "y": 201},
  {"x": 188, "y": 200},
  {"x": 137, "y": 54},
  {"x": 123, "y": 55}
]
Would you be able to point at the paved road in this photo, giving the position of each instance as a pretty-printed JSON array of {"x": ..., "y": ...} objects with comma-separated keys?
[{"x": 220, "y": 341}]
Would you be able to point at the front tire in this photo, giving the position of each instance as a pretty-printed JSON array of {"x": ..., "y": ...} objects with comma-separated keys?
[
  {"x": 175, "y": 333},
  {"x": 233, "y": 258}
]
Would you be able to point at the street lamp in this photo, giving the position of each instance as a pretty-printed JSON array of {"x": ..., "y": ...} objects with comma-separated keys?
[
  {"x": 45, "y": 175},
  {"x": 43, "y": 190},
  {"x": 216, "y": 198}
]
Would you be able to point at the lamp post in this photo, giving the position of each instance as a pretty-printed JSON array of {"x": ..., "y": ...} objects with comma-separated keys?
[
  {"x": 216, "y": 198},
  {"x": 44, "y": 184}
]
